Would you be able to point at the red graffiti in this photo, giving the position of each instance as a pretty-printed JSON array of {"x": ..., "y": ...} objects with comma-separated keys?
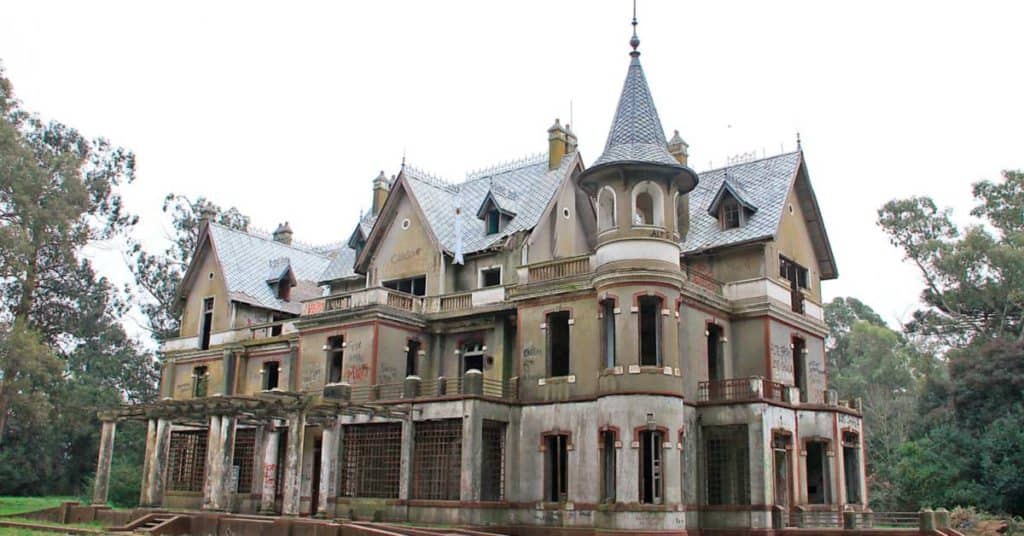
[{"x": 357, "y": 373}]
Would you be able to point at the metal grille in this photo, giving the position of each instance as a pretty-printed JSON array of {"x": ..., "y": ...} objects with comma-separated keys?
[
  {"x": 187, "y": 460},
  {"x": 493, "y": 470},
  {"x": 727, "y": 466},
  {"x": 437, "y": 459},
  {"x": 372, "y": 456},
  {"x": 245, "y": 448}
]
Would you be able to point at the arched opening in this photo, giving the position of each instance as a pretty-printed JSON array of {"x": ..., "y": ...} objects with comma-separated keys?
[
  {"x": 605, "y": 209},
  {"x": 648, "y": 204},
  {"x": 682, "y": 216},
  {"x": 644, "y": 209}
]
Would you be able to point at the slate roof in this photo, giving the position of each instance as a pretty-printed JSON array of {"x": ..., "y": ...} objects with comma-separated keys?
[
  {"x": 763, "y": 183},
  {"x": 245, "y": 259},
  {"x": 340, "y": 267}
]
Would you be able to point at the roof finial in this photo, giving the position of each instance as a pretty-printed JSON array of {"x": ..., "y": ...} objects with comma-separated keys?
[
  {"x": 635, "y": 41},
  {"x": 798, "y": 146}
]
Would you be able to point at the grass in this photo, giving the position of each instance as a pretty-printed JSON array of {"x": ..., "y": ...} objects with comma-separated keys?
[
  {"x": 20, "y": 505},
  {"x": 8, "y": 531}
]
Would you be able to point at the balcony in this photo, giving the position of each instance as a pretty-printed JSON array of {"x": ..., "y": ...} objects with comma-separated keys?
[
  {"x": 463, "y": 301},
  {"x": 750, "y": 389},
  {"x": 363, "y": 298},
  {"x": 251, "y": 332},
  {"x": 555, "y": 269},
  {"x": 769, "y": 289},
  {"x": 414, "y": 388}
]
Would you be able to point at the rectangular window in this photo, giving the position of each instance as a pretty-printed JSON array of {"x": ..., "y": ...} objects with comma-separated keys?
[
  {"x": 799, "y": 347},
  {"x": 417, "y": 286},
  {"x": 730, "y": 215},
  {"x": 245, "y": 447},
  {"x": 206, "y": 324},
  {"x": 412, "y": 356},
  {"x": 608, "y": 332},
  {"x": 335, "y": 358},
  {"x": 492, "y": 479},
  {"x": 851, "y": 466},
  {"x": 493, "y": 222},
  {"x": 608, "y": 458},
  {"x": 271, "y": 374},
  {"x": 714, "y": 334},
  {"x": 490, "y": 277},
  {"x": 278, "y": 328},
  {"x": 727, "y": 469},
  {"x": 781, "y": 444},
  {"x": 472, "y": 357},
  {"x": 437, "y": 459},
  {"x": 186, "y": 460},
  {"x": 817, "y": 472},
  {"x": 200, "y": 380},
  {"x": 371, "y": 460},
  {"x": 792, "y": 272},
  {"x": 556, "y": 473},
  {"x": 650, "y": 467},
  {"x": 650, "y": 331},
  {"x": 558, "y": 344}
]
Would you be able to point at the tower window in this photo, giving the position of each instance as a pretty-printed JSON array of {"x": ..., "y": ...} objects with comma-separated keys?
[
  {"x": 644, "y": 209},
  {"x": 556, "y": 473},
  {"x": 651, "y": 467},
  {"x": 200, "y": 380},
  {"x": 336, "y": 358},
  {"x": 650, "y": 331},
  {"x": 608, "y": 332},
  {"x": 606, "y": 209},
  {"x": 558, "y": 344},
  {"x": 412, "y": 353},
  {"x": 271, "y": 372}
]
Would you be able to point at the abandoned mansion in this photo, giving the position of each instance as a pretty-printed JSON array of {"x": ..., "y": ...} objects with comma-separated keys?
[{"x": 625, "y": 346}]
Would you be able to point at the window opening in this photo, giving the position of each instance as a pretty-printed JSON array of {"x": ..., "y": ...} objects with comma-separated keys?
[
  {"x": 437, "y": 459},
  {"x": 608, "y": 459},
  {"x": 608, "y": 332},
  {"x": 731, "y": 214},
  {"x": 200, "y": 380},
  {"x": 606, "y": 209},
  {"x": 556, "y": 467},
  {"x": 714, "y": 333},
  {"x": 207, "y": 324},
  {"x": 682, "y": 215},
  {"x": 314, "y": 500},
  {"x": 277, "y": 328},
  {"x": 650, "y": 331},
  {"x": 644, "y": 209},
  {"x": 271, "y": 373},
  {"x": 817, "y": 472},
  {"x": 417, "y": 286},
  {"x": 412, "y": 354},
  {"x": 472, "y": 357},
  {"x": 727, "y": 470},
  {"x": 558, "y": 344},
  {"x": 284, "y": 289},
  {"x": 492, "y": 483},
  {"x": 371, "y": 460},
  {"x": 799, "y": 347},
  {"x": 186, "y": 460},
  {"x": 797, "y": 277},
  {"x": 781, "y": 462},
  {"x": 493, "y": 222},
  {"x": 490, "y": 277},
  {"x": 336, "y": 358},
  {"x": 851, "y": 467},
  {"x": 282, "y": 454},
  {"x": 650, "y": 467}
]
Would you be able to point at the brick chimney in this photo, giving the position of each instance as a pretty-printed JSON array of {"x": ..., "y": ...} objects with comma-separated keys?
[
  {"x": 283, "y": 234},
  {"x": 678, "y": 148},
  {"x": 381, "y": 186},
  {"x": 557, "y": 144}
]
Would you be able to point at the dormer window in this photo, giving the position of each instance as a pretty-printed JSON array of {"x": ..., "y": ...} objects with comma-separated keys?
[
  {"x": 731, "y": 216},
  {"x": 730, "y": 206},
  {"x": 284, "y": 290},
  {"x": 493, "y": 221},
  {"x": 497, "y": 210}
]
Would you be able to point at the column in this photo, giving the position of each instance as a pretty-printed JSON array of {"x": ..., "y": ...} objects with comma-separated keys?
[
  {"x": 405, "y": 469},
  {"x": 293, "y": 463},
  {"x": 270, "y": 445},
  {"x": 158, "y": 463},
  {"x": 212, "y": 442},
  {"x": 102, "y": 482},
  {"x": 328, "y": 492},
  {"x": 144, "y": 494},
  {"x": 472, "y": 443},
  {"x": 220, "y": 453}
]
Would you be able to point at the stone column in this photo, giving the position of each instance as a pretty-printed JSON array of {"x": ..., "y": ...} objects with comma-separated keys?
[
  {"x": 271, "y": 440},
  {"x": 220, "y": 453},
  {"x": 102, "y": 482},
  {"x": 472, "y": 443},
  {"x": 212, "y": 441},
  {"x": 144, "y": 488},
  {"x": 405, "y": 469},
  {"x": 158, "y": 462},
  {"x": 293, "y": 464},
  {"x": 328, "y": 492}
]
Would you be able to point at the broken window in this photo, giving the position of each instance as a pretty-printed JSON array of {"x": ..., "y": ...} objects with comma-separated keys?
[
  {"x": 200, "y": 380},
  {"x": 335, "y": 358},
  {"x": 817, "y": 472},
  {"x": 608, "y": 458},
  {"x": 714, "y": 335},
  {"x": 412, "y": 354},
  {"x": 556, "y": 473},
  {"x": 437, "y": 459},
  {"x": 731, "y": 214},
  {"x": 727, "y": 469},
  {"x": 799, "y": 348},
  {"x": 186, "y": 460},
  {"x": 851, "y": 466},
  {"x": 278, "y": 327},
  {"x": 651, "y": 467},
  {"x": 650, "y": 330},
  {"x": 608, "y": 332},
  {"x": 492, "y": 478},
  {"x": 781, "y": 446},
  {"x": 245, "y": 448},
  {"x": 490, "y": 277},
  {"x": 797, "y": 277},
  {"x": 472, "y": 357},
  {"x": 417, "y": 286},
  {"x": 271, "y": 373},
  {"x": 558, "y": 344},
  {"x": 371, "y": 460},
  {"x": 206, "y": 325}
]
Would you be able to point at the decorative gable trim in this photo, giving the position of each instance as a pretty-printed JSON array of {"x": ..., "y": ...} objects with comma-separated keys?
[{"x": 725, "y": 191}]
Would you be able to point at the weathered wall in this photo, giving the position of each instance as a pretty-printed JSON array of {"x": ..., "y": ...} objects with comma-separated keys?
[
  {"x": 406, "y": 252},
  {"x": 694, "y": 347},
  {"x": 205, "y": 286},
  {"x": 252, "y": 381},
  {"x": 183, "y": 376},
  {"x": 780, "y": 340},
  {"x": 358, "y": 357},
  {"x": 794, "y": 242}
]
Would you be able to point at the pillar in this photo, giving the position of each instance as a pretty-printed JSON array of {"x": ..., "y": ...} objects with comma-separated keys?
[
  {"x": 220, "y": 452},
  {"x": 328, "y": 493},
  {"x": 405, "y": 469},
  {"x": 472, "y": 443},
  {"x": 144, "y": 492},
  {"x": 293, "y": 464},
  {"x": 268, "y": 500},
  {"x": 158, "y": 462},
  {"x": 102, "y": 482}
]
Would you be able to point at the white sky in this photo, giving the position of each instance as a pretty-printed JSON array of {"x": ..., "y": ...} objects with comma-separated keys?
[{"x": 288, "y": 110}]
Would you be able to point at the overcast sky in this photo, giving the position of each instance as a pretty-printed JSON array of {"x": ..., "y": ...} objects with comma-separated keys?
[{"x": 288, "y": 110}]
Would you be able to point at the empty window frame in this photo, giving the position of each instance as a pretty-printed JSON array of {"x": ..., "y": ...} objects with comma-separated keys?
[
  {"x": 490, "y": 277},
  {"x": 492, "y": 220},
  {"x": 606, "y": 209},
  {"x": 371, "y": 460},
  {"x": 727, "y": 470},
  {"x": 651, "y": 479},
  {"x": 792, "y": 272},
  {"x": 335, "y": 358},
  {"x": 799, "y": 348},
  {"x": 644, "y": 214},
  {"x": 609, "y": 455},
  {"x": 781, "y": 462},
  {"x": 437, "y": 459},
  {"x": 558, "y": 344},
  {"x": 186, "y": 460},
  {"x": 817, "y": 472},
  {"x": 492, "y": 478},
  {"x": 715, "y": 365},
  {"x": 608, "y": 332},
  {"x": 271, "y": 372},
  {"x": 284, "y": 289},
  {"x": 245, "y": 449},
  {"x": 473, "y": 356},
  {"x": 412, "y": 357},
  {"x": 206, "y": 324},
  {"x": 417, "y": 286},
  {"x": 851, "y": 466},
  {"x": 731, "y": 215},
  {"x": 650, "y": 330},
  {"x": 200, "y": 381},
  {"x": 556, "y": 470},
  {"x": 278, "y": 327}
]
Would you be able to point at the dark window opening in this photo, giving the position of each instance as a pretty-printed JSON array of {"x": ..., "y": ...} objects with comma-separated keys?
[
  {"x": 851, "y": 467},
  {"x": 800, "y": 366},
  {"x": 271, "y": 372},
  {"x": 490, "y": 277},
  {"x": 186, "y": 460},
  {"x": 797, "y": 277},
  {"x": 417, "y": 286},
  {"x": 817, "y": 472},
  {"x": 200, "y": 380},
  {"x": 437, "y": 459},
  {"x": 371, "y": 459},
  {"x": 284, "y": 289},
  {"x": 412, "y": 354},
  {"x": 472, "y": 357},
  {"x": 644, "y": 209},
  {"x": 493, "y": 222},
  {"x": 714, "y": 333},
  {"x": 608, "y": 332},
  {"x": 492, "y": 481},
  {"x": 278, "y": 327},
  {"x": 650, "y": 331},
  {"x": 207, "y": 324},
  {"x": 282, "y": 455},
  {"x": 336, "y": 358},
  {"x": 556, "y": 467},
  {"x": 781, "y": 462},
  {"x": 608, "y": 456},
  {"x": 314, "y": 500},
  {"x": 245, "y": 448},
  {"x": 650, "y": 467},
  {"x": 731, "y": 214},
  {"x": 727, "y": 468},
  {"x": 558, "y": 344}
]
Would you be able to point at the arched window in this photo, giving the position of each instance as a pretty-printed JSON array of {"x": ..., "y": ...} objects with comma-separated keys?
[
  {"x": 682, "y": 215},
  {"x": 606, "y": 217},
  {"x": 648, "y": 204}
]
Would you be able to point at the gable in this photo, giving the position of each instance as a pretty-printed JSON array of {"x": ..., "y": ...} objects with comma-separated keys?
[
  {"x": 205, "y": 279},
  {"x": 403, "y": 246}
]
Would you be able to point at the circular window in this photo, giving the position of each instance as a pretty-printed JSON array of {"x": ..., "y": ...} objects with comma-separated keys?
[
  {"x": 790, "y": 208},
  {"x": 405, "y": 224},
  {"x": 211, "y": 275},
  {"x": 565, "y": 213}
]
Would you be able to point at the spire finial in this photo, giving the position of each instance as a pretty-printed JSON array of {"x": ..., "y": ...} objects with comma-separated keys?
[
  {"x": 635, "y": 41},
  {"x": 798, "y": 146}
]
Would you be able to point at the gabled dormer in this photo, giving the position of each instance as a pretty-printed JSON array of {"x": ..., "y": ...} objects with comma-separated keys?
[
  {"x": 497, "y": 210},
  {"x": 730, "y": 206},
  {"x": 281, "y": 278}
]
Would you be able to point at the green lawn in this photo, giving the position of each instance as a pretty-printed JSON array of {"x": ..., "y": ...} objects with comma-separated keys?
[
  {"x": 7, "y": 531},
  {"x": 20, "y": 505}
]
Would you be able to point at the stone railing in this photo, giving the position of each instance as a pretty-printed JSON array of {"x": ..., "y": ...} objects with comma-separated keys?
[
  {"x": 768, "y": 288},
  {"x": 250, "y": 332},
  {"x": 556, "y": 269},
  {"x": 471, "y": 384},
  {"x": 362, "y": 298},
  {"x": 462, "y": 301},
  {"x": 923, "y": 522},
  {"x": 743, "y": 389}
]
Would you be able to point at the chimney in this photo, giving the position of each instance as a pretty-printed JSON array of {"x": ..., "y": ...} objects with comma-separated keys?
[
  {"x": 381, "y": 186},
  {"x": 678, "y": 148},
  {"x": 570, "y": 140},
  {"x": 557, "y": 141},
  {"x": 283, "y": 234}
]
